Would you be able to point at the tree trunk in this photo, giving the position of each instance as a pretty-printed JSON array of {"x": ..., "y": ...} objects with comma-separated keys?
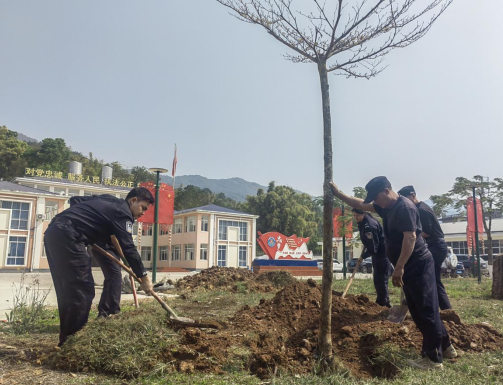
[
  {"x": 497, "y": 290},
  {"x": 325, "y": 336},
  {"x": 490, "y": 257}
]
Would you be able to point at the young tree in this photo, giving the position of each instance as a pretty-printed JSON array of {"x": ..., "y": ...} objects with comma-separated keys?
[{"x": 348, "y": 38}]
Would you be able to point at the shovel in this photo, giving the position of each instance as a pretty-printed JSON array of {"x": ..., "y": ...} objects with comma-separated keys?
[
  {"x": 398, "y": 312},
  {"x": 358, "y": 263},
  {"x": 117, "y": 247},
  {"x": 172, "y": 315}
]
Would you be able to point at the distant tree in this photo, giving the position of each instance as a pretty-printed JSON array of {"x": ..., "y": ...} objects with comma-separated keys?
[
  {"x": 441, "y": 204},
  {"x": 12, "y": 162},
  {"x": 141, "y": 174},
  {"x": 50, "y": 154},
  {"x": 490, "y": 194},
  {"x": 284, "y": 210},
  {"x": 119, "y": 172},
  {"x": 192, "y": 196}
]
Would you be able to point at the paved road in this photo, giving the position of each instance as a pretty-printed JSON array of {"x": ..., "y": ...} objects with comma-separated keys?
[{"x": 8, "y": 280}]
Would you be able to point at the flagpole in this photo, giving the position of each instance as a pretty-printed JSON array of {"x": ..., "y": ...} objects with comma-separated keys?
[{"x": 173, "y": 171}]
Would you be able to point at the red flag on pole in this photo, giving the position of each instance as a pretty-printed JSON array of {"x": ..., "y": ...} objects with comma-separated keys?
[
  {"x": 471, "y": 215},
  {"x": 166, "y": 204},
  {"x": 175, "y": 161}
]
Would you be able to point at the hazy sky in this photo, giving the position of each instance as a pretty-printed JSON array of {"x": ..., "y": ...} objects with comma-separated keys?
[{"x": 128, "y": 79}]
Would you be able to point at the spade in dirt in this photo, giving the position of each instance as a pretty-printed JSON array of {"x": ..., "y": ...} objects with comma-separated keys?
[{"x": 398, "y": 312}]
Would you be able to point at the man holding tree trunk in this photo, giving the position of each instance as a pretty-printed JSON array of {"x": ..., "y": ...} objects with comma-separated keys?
[{"x": 414, "y": 267}]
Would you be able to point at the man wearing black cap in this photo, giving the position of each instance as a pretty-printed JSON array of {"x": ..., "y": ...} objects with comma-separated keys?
[
  {"x": 414, "y": 267},
  {"x": 434, "y": 236},
  {"x": 372, "y": 237}
]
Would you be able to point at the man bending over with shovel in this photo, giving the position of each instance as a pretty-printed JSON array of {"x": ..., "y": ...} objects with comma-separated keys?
[
  {"x": 414, "y": 267},
  {"x": 70, "y": 232}
]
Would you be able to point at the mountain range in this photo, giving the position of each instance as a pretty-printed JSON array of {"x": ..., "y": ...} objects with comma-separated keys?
[{"x": 234, "y": 188}]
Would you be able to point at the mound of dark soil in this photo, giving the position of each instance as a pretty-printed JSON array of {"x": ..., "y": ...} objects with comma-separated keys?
[{"x": 234, "y": 280}]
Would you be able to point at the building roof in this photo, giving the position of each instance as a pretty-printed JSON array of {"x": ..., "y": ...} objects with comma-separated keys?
[
  {"x": 212, "y": 208},
  {"x": 460, "y": 227},
  {"x": 14, "y": 187}
]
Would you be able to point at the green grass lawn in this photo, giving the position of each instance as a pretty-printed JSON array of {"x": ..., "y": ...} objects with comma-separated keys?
[{"x": 469, "y": 299}]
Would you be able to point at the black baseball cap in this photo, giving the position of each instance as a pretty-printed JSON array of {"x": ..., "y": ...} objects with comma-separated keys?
[
  {"x": 406, "y": 191},
  {"x": 375, "y": 186}
]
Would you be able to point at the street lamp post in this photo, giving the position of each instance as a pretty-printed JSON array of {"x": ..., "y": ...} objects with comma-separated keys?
[{"x": 158, "y": 171}]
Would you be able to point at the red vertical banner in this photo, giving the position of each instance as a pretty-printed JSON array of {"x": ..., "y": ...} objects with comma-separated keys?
[
  {"x": 471, "y": 215},
  {"x": 166, "y": 204},
  {"x": 340, "y": 222},
  {"x": 470, "y": 240}
]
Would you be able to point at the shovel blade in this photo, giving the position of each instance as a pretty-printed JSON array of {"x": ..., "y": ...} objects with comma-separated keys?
[{"x": 398, "y": 313}]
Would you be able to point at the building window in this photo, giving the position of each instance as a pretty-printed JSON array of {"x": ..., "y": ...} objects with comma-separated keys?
[
  {"x": 497, "y": 246},
  {"x": 223, "y": 225},
  {"x": 19, "y": 214},
  {"x": 203, "y": 252},
  {"x": 163, "y": 253},
  {"x": 147, "y": 230},
  {"x": 43, "y": 188},
  {"x": 458, "y": 247},
  {"x": 17, "y": 246},
  {"x": 242, "y": 256},
  {"x": 51, "y": 209},
  {"x": 73, "y": 192},
  {"x": 189, "y": 252},
  {"x": 146, "y": 253},
  {"x": 204, "y": 223},
  {"x": 221, "y": 257},
  {"x": 88, "y": 193},
  {"x": 163, "y": 229},
  {"x": 190, "y": 224},
  {"x": 176, "y": 252},
  {"x": 177, "y": 228},
  {"x": 135, "y": 228}
]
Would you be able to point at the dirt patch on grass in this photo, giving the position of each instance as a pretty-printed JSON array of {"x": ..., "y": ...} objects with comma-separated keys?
[
  {"x": 282, "y": 333},
  {"x": 235, "y": 280},
  {"x": 278, "y": 335}
]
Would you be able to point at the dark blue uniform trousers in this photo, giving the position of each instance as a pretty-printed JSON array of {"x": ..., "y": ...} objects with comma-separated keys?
[
  {"x": 111, "y": 296},
  {"x": 439, "y": 251},
  {"x": 70, "y": 266},
  {"x": 382, "y": 271},
  {"x": 420, "y": 290}
]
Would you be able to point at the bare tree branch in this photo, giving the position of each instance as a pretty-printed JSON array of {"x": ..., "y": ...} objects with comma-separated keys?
[{"x": 371, "y": 29}]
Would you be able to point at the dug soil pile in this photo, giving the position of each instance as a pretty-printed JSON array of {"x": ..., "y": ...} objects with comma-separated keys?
[
  {"x": 281, "y": 334},
  {"x": 234, "y": 280}
]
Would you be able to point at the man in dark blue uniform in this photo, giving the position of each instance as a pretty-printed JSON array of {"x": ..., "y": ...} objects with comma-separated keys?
[
  {"x": 434, "y": 237},
  {"x": 372, "y": 237},
  {"x": 68, "y": 235},
  {"x": 414, "y": 267},
  {"x": 111, "y": 296}
]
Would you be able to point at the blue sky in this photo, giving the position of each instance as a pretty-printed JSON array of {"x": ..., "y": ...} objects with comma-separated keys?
[{"x": 128, "y": 79}]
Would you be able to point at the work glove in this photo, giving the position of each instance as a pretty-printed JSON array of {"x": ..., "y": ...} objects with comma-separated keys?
[{"x": 146, "y": 284}]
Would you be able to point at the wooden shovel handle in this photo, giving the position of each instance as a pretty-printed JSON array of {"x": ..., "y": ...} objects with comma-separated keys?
[
  {"x": 132, "y": 274},
  {"x": 118, "y": 249},
  {"x": 360, "y": 260}
]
